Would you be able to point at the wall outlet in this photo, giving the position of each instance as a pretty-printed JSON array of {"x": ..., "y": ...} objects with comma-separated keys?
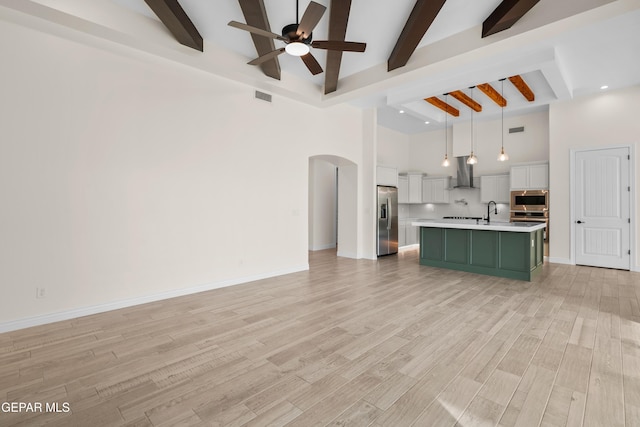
[{"x": 41, "y": 292}]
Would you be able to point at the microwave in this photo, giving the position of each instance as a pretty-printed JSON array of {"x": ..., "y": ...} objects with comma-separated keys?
[{"x": 530, "y": 200}]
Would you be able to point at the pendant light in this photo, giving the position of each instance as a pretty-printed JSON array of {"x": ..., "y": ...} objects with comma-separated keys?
[
  {"x": 472, "y": 160},
  {"x": 445, "y": 162},
  {"x": 502, "y": 156}
]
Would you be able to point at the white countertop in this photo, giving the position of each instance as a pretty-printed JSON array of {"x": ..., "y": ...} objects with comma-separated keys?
[{"x": 471, "y": 224}]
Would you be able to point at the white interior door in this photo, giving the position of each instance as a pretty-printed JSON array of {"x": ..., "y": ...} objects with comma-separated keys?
[{"x": 602, "y": 208}]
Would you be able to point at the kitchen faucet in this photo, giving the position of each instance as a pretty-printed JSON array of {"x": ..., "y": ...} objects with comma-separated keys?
[{"x": 495, "y": 206}]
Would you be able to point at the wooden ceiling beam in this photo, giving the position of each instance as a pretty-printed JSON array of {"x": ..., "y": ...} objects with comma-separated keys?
[
  {"x": 466, "y": 100},
  {"x": 505, "y": 15},
  {"x": 522, "y": 86},
  {"x": 255, "y": 15},
  {"x": 493, "y": 94},
  {"x": 177, "y": 22},
  {"x": 422, "y": 16},
  {"x": 437, "y": 102},
  {"x": 338, "y": 19}
]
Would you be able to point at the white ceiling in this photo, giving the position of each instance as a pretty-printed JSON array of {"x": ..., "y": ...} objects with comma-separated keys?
[{"x": 562, "y": 50}]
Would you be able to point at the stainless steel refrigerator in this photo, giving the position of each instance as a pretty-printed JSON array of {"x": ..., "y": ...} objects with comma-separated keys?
[{"x": 387, "y": 220}]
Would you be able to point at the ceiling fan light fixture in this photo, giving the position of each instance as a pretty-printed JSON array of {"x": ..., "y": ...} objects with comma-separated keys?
[{"x": 297, "y": 49}]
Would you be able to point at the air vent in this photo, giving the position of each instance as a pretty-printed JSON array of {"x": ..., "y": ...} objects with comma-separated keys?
[
  {"x": 263, "y": 96},
  {"x": 516, "y": 130}
]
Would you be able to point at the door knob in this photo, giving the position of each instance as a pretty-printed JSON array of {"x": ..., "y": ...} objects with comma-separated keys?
[{"x": 580, "y": 222}]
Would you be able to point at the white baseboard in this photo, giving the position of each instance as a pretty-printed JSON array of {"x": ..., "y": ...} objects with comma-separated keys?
[
  {"x": 567, "y": 261},
  {"x": 347, "y": 254},
  {"x": 323, "y": 247},
  {"x": 555, "y": 260},
  {"x": 115, "y": 305},
  {"x": 408, "y": 247}
]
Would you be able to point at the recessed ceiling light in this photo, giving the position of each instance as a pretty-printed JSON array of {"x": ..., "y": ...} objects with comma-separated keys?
[
  {"x": 426, "y": 123},
  {"x": 604, "y": 87},
  {"x": 401, "y": 111}
]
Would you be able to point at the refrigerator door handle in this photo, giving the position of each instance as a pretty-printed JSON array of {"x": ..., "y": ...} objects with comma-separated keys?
[{"x": 389, "y": 215}]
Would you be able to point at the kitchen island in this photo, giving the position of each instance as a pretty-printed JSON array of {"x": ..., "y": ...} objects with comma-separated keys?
[{"x": 504, "y": 249}]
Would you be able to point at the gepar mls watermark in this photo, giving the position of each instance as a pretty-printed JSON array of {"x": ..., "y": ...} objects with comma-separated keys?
[{"x": 35, "y": 407}]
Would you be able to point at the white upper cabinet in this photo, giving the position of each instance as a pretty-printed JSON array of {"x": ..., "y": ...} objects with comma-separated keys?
[
  {"x": 436, "y": 189},
  {"x": 534, "y": 176},
  {"x": 519, "y": 177},
  {"x": 539, "y": 176},
  {"x": 494, "y": 187},
  {"x": 387, "y": 176},
  {"x": 410, "y": 187},
  {"x": 403, "y": 189},
  {"x": 415, "y": 187}
]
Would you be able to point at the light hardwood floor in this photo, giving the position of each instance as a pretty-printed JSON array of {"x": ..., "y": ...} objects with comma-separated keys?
[{"x": 350, "y": 342}]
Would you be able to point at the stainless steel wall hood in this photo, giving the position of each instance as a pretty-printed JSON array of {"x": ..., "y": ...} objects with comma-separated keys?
[{"x": 465, "y": 173}]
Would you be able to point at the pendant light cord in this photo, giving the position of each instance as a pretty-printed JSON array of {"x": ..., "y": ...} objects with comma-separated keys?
[
  {"x": 297, "y": 15},
  {"x": 502, "y": 157},
  {"x": 472, "y": 147},
  {"x": 446, "y": 129},
  {"x": 473, "y": 159},
  {"x": 502, "y": 114}
]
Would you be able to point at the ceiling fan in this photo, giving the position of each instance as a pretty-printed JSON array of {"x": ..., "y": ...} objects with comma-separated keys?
[{"x": 298, "y": 39}]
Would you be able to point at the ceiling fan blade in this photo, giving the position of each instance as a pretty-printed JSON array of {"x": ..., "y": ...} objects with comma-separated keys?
[
  {"x": 338, "y": 20},
  {"x": 256, "y": 30},
  {"x": 339, "y": 45},
  {"x": 310, "y": 19},
  {"x": 255, "y": 15},
  {"x": 267, "y": 56},
  {"x": 311, "y": 63}
]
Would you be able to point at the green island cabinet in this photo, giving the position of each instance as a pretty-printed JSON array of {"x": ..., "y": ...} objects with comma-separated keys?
[{"x": 515, "y": 255}]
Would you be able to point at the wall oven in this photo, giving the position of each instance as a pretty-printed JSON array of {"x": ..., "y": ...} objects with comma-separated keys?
[
  {"x": 530, "y": 206},
  {"x": 530, "y": 200}
]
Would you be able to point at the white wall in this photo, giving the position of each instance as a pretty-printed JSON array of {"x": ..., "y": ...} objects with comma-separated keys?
[
  {"x": 607, "y": 119},
  {"x": 367, "y": 203},
  {"x": 123, "y": 178},
  {"x": 322, "y": 204},
  {"x": 393, "y": 149},
  {"x": 426, "y": 150},
  {"x": 347, "y": 206}
]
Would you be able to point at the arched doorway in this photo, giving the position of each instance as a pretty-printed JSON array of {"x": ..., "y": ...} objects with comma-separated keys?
[{"x": 333, "y": 196}]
